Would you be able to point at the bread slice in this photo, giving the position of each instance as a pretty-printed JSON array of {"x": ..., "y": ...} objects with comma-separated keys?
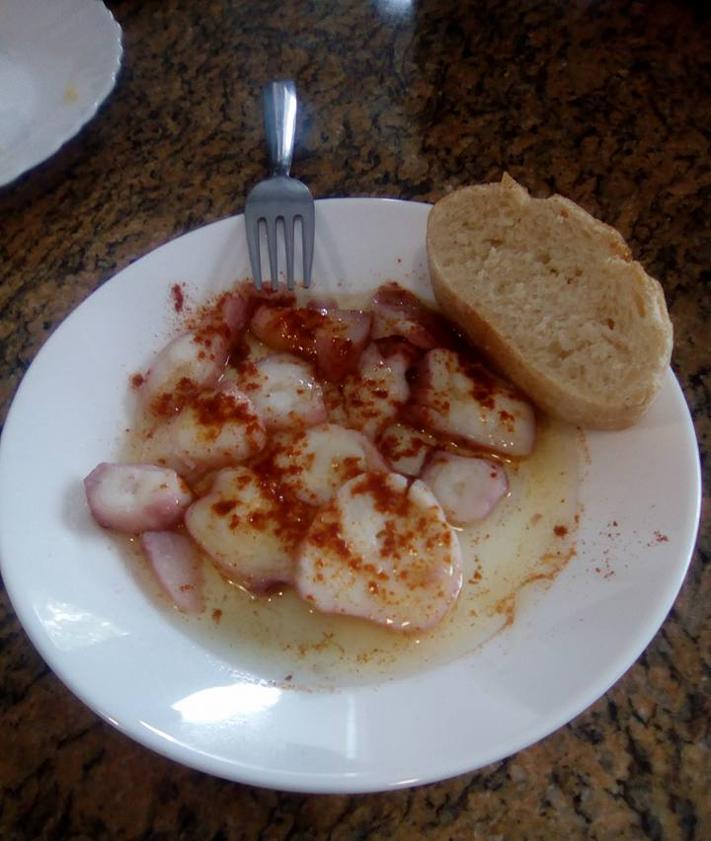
[{"x": 553, "y": 297}]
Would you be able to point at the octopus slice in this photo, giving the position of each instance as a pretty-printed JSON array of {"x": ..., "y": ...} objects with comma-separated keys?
[
  {"x": 405, "y": 448},
  {"x": 185, "y": 365},
  {"x": 463, "y": 401},
  {"x": 288, "y": 329},
  {"x": 217, "y": 428},
  {"x": 397, "y": 312},
  {"x": 382, "y": 550},
  {"x": 375, "y": 394},
  {"x": 331, "y": 338},
  {"x": 176, "y": 564},
  {"x": 314, "y": 463},
  {"x": 468, "y": 489},
  {"x": 284, "y": 390},
  {"x": 134, "y": 498},
  {"x": 340, "y": 342},
  {"x": 233, "y": 310},
  {"x": 194, "y": 360},
  {"x": 244, "y": 527}
]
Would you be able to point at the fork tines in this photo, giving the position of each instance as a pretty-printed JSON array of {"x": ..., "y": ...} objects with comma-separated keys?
[
  {"x": 276, "y": 211},
  {"x": 280, "y": 201}
]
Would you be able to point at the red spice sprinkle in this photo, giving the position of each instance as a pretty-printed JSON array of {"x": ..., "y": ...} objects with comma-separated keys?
[
  {"x": 327, "y": 535},
  {"x": 386, "y": 499},
  {"x": 660, "y": 538},
  {"x": 216, "y": 615},
  {"x": 260, "y": 519},
  {"x": 176, "y": 291},
  {"x": 137, "y": 380},
  {"x": 560, "y": 531},
  {"x": 391, "y": 540},
  {"x": 169, "y": 403},
  {"x": 294, "y": 329},
  {"x": 224, "y": 506},
  {"x": 219, "y": 408},
  {"x": 394, "y": 449},
  {"x": 351, "y": 466}
]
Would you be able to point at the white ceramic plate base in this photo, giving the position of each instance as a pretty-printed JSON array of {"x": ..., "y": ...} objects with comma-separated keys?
[
  {"x": 147, "y": 674},
  {"x": 58, "y": 62}
]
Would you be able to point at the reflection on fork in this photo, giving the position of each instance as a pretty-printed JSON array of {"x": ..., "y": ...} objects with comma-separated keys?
[{"x": 280, "y": 202}]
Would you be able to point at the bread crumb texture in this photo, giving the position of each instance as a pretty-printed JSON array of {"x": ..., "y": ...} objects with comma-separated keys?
[{"x": 554, "y": 297}]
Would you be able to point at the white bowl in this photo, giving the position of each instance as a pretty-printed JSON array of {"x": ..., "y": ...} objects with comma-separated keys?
[{"x": 58, "y": 62}]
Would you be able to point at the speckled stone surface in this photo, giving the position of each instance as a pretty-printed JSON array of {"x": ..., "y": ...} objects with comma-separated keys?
[{"x": 608, "y": 103}]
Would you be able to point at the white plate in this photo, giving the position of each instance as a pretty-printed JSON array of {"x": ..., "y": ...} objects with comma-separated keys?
[
  {"x": 146, "y": 673},
  {"x": 58, "y": 62}
]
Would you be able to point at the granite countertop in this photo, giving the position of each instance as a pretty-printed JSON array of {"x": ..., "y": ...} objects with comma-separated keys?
[{"x": 608, "y": 103}]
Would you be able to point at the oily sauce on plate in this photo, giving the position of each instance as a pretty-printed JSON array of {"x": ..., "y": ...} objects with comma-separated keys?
[{"x": 526, "y": 541}]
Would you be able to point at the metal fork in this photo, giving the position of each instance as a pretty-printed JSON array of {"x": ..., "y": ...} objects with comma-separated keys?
[{"x": 280, "y": 198}]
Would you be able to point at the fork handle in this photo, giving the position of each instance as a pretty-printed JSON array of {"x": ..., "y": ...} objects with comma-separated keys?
[{"x": 279, "y": 104}]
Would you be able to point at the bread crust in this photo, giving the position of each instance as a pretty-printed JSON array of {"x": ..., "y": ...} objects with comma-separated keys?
[{"x": 614, "y": 410}]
